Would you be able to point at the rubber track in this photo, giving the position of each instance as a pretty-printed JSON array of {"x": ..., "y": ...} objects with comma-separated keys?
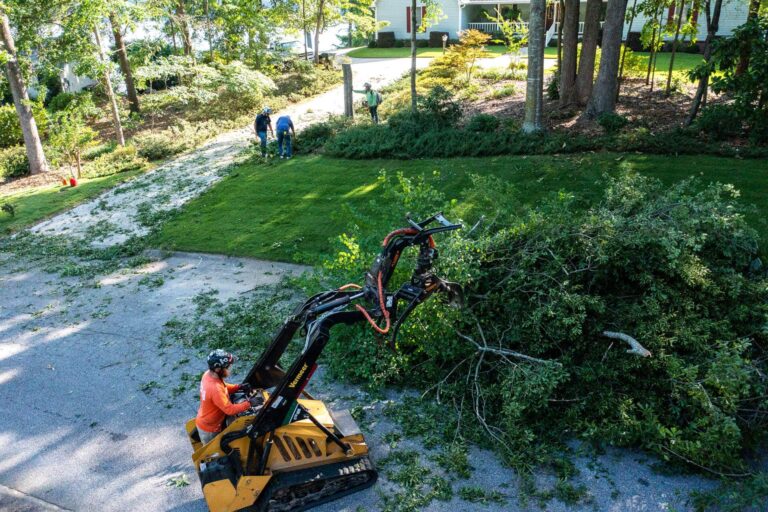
[{"x": 313, "y": 475}]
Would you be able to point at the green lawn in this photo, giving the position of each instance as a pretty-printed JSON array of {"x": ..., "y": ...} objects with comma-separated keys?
[
  {"x": 683, "y": 61},
  {"x": 389, "y": 53},
  {"x": 276, "y": 211},
  {"x": 35, "y": 204}
]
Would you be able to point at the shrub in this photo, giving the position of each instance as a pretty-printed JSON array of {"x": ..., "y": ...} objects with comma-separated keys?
[
  {"x": 612, "y": 122},
  {"x": 316, "y": 135},
  {"x": 719, "y": 121},
  {"x": 372, "y": 44},
  {"x": 386, "y": 39},
  {"x": 10, "y": 129},
  {"x": 553, "y": 86},
  {"x": 436, "y": 39},
  {"x": 61, "y": 101},
  {"x": 422, "y": 43},
  {"x": 158, "y": 145},
  {"x": 507, "y": 90},
  {"x": 13, "y": 162},
  {"x": 122, "y": 159},
  {"x": 483, "y": 123}
]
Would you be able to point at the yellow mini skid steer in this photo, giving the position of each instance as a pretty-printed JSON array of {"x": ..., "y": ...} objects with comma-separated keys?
[{"x": 291, "y": 452}]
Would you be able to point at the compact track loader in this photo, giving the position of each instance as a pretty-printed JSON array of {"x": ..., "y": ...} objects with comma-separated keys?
[{"x": 292, "y": 452}]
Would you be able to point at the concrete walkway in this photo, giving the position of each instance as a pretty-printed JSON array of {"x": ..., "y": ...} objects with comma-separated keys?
[{"x": 121, "y": 213}]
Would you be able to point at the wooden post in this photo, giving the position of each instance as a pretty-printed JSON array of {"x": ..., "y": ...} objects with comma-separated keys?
[{"x": 347, "y": 72}]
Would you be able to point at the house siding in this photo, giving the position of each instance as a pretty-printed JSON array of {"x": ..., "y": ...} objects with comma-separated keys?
[
  {"x": 394, "y": 11},
  {"x": 733, "y": 14}
]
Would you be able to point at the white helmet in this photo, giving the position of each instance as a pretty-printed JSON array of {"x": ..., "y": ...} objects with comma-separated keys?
[
  {"x": 367, "y": 85},
  {"x": 266, "y": 110}
]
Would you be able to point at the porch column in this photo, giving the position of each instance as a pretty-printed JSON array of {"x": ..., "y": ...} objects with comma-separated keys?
[{"x": 461, "y": 13}]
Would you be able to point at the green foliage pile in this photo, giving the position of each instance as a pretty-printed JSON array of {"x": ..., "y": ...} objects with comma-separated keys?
[
  {"x": 305, "y": 79},
  {"x": 122, "y": 159},
  {"x": 214, "y": 89},
  {"x": 184, "y": 135},
  {"x": 526, "y": 361}
]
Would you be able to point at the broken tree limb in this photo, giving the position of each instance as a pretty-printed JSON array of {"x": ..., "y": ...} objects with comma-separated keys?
[
  {"x": 506, "y": 352},
  {"x": 635, "y": 347}
]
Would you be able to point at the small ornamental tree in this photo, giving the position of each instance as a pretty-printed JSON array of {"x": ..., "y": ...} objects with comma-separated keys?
[
  {"x": 514, "y": 31},
  {"x": 70, "y": 136}
]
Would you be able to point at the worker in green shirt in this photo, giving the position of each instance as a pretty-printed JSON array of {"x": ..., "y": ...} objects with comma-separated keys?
[{"x": 373, "y": 99}]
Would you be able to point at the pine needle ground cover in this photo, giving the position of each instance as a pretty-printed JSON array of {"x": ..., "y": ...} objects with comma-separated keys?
[{"x": 288, "y": 211}]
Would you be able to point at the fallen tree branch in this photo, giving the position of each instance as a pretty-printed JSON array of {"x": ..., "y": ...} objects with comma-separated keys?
[
  {"x": 506, "y": 352},
  {"x": 635, "y": 347}
]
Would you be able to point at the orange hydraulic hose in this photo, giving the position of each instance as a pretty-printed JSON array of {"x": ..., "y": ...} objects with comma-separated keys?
[
  {"x": 361, "y": 309},
  {"x": 350, "y": 285},
  {"x": 402, "y": 231}
]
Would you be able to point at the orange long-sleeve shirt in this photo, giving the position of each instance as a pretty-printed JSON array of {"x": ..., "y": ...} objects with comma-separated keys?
[{"x": 215, "y": 404}]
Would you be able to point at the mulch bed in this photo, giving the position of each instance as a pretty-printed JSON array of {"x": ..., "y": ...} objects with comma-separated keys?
[
  {"x": 637, "y": 103},
  {"x": 27, "y": 182}
]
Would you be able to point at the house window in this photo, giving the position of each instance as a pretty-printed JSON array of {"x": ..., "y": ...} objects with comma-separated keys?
[{"x": 420, "y": 11}]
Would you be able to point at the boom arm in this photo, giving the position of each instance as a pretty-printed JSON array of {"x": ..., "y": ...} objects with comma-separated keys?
[{"x": 320, "y": 313}]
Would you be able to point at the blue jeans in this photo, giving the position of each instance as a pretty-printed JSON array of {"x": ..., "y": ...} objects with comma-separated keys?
[
  {"x": 263, "y": 138},
  {"x": 284, "y": 136}
]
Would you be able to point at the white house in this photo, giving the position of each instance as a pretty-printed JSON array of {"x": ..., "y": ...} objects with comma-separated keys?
[{"x": 461, "y": 15}]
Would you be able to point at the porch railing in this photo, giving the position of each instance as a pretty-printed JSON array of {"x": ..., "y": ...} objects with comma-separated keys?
[
  {"x": 491, "y": 27},
  {"x": 581, "y": 27}
]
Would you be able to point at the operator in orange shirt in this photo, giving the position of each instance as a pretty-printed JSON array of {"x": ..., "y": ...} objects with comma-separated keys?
[{"x": 215, "y": 404}]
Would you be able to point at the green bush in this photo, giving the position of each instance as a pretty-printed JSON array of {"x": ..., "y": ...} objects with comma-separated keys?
[
  {"x": 122, "y": 159},
  {"x": 158, "y": 145},
  {"x": 672, "y": 266},
  {"x": 317, "y": 135},
  {"x": 504, "y": 92},
  {"x": 61, "y": 101},
  {"x": 13, "y": 162},
  {"x": 720, "y": 121},
  {"x": 10, "y": 130},
  {"x": 483, "y": 123},
  {"x": 612, "y": 122}
]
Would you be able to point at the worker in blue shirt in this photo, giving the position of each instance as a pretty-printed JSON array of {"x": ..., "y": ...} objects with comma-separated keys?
[{"x": 284, "y": 129}]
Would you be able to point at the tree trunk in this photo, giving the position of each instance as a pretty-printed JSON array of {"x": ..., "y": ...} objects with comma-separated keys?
[
  {"x": 534, "y": 92},
  {"x": 570, "y": 49},
  {"x": 318, "y": 29},
  {"x": 654, "y": 43},
  {"x": 304, "y": 27},
  {"x": 586, "y": 75},
  {"x": 34, "y": 147},
  {"x": 186, "y": 38},
  {"x": 561, "y": 5},
  {"x": 624, "y": 50},
  {"x": 713, "y": 23},
  {"x": 208, "y": 29},
  {"x": 110, "y": 91},
  {"x": 674, "y": 47},
  {"x": 603, "y": 97},
  {"x": 125, "y": 66},
  {"x": 746, "y": 50},
  {"x": 413, "y": 55},
  {"x": 79, "y": 164}
]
